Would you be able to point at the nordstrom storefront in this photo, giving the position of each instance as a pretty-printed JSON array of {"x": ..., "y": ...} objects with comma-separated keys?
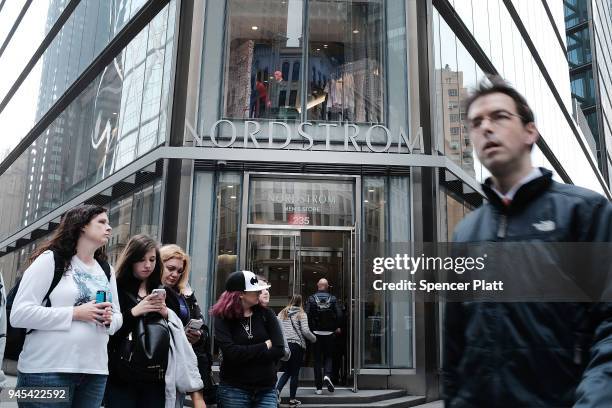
[{"x": 308, "y": 150}]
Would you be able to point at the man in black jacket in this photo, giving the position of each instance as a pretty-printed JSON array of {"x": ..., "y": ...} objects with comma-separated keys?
[
  {"x": 526, "y": 354},
  {"x": 324, "y": 319}
]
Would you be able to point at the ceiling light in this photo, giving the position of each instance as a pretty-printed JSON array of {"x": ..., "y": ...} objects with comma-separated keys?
[
  {"x": 233, "y": 197},
  {"x": 254, "y": 28},
  {"x": 355, "y": 31},
  {"x": 230, "y": 186},
  {"x": 318, "y": 49},
  {"x": 371, "y": 190},
  {"x": 324, "y": 45},
  {"x": 365, "y": 201}
]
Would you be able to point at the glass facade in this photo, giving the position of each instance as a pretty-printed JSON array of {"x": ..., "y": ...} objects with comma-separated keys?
[
  {"x": 293, "y": 248},
  {"x": 322, "y": 88},
  {"x": 589, "y": 37},
  {"x": 266, "y": 57},
  {"x": 576, "y": 12},
  {"x": 386, "y": 317},
  {"x": 579, "y": 47},
  {"x": 496, "y": 30},
  {"x": 34, "y": 26},
  {"x": 295, "y": 202},
  {"x": 336, "y": 58},
  {"x": 117, "y": 118},
  {"x": 133, "y": 213},
  {"x": 91, "y": 26},
  {"x": 602, "y": 41},
  {"x": 227, "y": 227}
]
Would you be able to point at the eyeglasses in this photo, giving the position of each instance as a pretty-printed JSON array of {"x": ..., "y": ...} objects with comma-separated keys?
[{"x": 498, "y": 117}]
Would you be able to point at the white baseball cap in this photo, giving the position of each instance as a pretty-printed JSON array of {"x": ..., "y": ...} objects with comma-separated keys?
[{"x": 244, "y": 281}]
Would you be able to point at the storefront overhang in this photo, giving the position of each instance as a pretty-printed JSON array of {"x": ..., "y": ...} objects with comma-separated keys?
[
  {"x": 319, "y": 157},
  {"x": 221, "y": 155}
]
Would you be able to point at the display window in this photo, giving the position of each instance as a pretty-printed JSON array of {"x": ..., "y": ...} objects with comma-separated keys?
[{"x": 321, "y": 54}]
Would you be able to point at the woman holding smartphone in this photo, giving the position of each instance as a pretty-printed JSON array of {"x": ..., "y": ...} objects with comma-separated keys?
[
  {"x": 56, "y": 302},
  {"x": 183, "y": 302},
  {"x": 142, "y": 299},
  {"x": 138, "y": 274},
  {"x": 251, "y": 341}
]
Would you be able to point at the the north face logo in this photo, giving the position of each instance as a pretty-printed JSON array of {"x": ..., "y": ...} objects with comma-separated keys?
[{"x": 544, "y": 226}]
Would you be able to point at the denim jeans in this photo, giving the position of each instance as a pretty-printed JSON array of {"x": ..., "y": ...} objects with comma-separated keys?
[
  {"x": 84, "y": 390},
  {"x": 293, "y": 370},
  {"x": 234, "y": 397}
]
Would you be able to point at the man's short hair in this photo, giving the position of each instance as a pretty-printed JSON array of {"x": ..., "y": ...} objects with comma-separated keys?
[{"x": 496, "y": 84}]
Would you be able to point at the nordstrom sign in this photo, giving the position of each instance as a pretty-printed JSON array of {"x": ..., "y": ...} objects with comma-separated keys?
[{"x": 307, "y": 135}]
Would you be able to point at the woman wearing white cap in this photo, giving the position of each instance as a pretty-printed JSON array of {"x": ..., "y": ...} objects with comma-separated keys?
[{"x": 251, "y": 342}]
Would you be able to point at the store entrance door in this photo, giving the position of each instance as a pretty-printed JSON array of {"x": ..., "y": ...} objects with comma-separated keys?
[{"x": 294, "y": 261}]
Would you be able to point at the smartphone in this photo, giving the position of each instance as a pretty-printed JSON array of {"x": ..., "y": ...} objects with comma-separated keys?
[
  {"x": 100, "y": 296},
  {"x": 159, "y": 292},
  {"x": 195, "y": 324}
]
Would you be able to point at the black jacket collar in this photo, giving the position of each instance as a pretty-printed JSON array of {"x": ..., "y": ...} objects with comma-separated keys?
[{"x": 525, "y": 194}]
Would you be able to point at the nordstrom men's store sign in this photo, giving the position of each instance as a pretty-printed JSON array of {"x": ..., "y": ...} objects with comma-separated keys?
[{"x": 376, "y": 138}]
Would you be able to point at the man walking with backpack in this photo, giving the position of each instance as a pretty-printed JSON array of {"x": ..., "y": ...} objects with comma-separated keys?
[{"x": 324, "y": 317}]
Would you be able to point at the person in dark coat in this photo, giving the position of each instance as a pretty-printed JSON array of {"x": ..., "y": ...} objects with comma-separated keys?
[
  {"x": 325, "y": 319},
  {"x": 183, "y": 302},
  {"x": 525, "y": 354},
  {"x": 251, "y": 341}
]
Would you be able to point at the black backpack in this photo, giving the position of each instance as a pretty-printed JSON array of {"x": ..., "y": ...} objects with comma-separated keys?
[
  {"x": 15, "y": 337},
  {"x": 326, "y": 317},
  {"x": 141, "y": 356}
]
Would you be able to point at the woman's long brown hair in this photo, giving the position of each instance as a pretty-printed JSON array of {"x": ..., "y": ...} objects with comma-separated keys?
[
  {"x": 135, "y": 250},
  {"x": 64, "y": 240}
]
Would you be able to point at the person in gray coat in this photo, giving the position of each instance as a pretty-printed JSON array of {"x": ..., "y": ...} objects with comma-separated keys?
[{"x": 294, "y": 322}]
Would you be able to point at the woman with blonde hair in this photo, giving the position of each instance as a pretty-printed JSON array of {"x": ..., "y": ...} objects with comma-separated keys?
[
  {"x": 294, "y": 322},
  {"x": 182, "y": 300}
]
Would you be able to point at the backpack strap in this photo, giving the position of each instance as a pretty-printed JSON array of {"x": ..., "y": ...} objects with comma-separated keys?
[
  {"x": 105, "y": 267},
  {"x": 58, "y": 272},
  {"x": 320, "y": 301}
]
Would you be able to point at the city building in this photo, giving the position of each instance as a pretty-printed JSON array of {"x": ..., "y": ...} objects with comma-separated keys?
[
  {"x": 588, "y": 29},
  {"x": 295, "y": 138}
]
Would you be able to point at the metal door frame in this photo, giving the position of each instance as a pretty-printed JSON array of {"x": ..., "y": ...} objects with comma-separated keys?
[
  {"x": 296, "y": 234},
  {"x": 354, "y": 231}
]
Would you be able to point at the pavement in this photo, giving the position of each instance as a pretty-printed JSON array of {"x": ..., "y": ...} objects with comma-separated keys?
[
  {"x": 436, "y": 404},
  {"x": 12, "y": 382}
]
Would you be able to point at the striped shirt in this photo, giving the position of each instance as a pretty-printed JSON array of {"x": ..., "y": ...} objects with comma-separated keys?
[{"x": 295, "y": 327}]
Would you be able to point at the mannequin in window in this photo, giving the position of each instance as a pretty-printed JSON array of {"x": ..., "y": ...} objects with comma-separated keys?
[
  {"x": 276, "y": 85},
  {"x": 259, "y": 99}
]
